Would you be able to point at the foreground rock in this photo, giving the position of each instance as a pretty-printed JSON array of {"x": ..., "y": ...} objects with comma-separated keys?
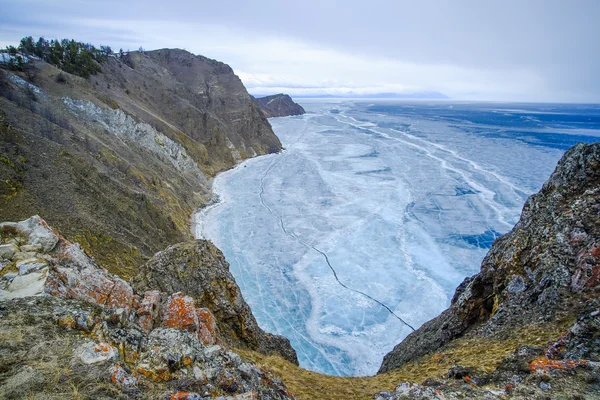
[
  {"x": 199, "y": 269},
  {"x": 279, "y": 105},
  {"x": 68, "y": 316},
  {"x": 545, "y": 271}
]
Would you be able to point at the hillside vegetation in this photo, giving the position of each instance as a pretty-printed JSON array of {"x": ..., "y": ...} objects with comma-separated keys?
[{"x": 119, "y": 161}]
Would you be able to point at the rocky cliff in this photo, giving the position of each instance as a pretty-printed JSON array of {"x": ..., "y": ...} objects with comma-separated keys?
[
  {"x": 119, "y": 161},
  {"x": 69, "y": 328},
  {"x": 543, "y": 275},
  {"x": 279, "y": 105}
]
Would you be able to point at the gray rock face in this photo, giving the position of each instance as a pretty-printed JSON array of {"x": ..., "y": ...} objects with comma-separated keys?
[
  {"x": 141, "y": 134},
  {"x": 547, "y": 266},
  {"x": 7, "y": 251},
  {"x": 37, "y": 232},
  {"x": 199, "y": 269},
  {"x": 279, "y": 105}
]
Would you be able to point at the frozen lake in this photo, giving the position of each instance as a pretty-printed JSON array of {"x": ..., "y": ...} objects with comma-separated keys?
[{"x": 364, "y": 226}]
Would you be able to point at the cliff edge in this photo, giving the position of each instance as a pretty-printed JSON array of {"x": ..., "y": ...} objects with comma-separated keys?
[{"x": 279, "y": 105}]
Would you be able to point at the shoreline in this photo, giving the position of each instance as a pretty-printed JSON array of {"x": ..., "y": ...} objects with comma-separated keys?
[{"x": 218, "y": 198}]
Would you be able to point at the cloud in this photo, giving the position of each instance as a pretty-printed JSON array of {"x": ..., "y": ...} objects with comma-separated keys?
[{"x": 535, "y": 50}]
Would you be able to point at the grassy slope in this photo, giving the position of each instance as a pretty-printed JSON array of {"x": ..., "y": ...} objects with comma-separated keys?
[{"x": 479, "y": 353}]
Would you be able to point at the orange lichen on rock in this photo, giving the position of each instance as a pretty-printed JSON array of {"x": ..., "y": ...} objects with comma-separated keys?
[
  {"x": 155, "y": 375},
  {"x": 207, "y": 326},
  {"x": 131, "y": 356},
  {"x": 121, "y": 378},
  {"x": 179, "y": 312},
  {"x": 184, "y": 396},
  {"x": 67, "y": 322},
  {"x": 148, "y": 309},
  {"x": 103, "y": 348},
  {"x": 121, "y": 295},
  {"x": 543, "y": 365}
]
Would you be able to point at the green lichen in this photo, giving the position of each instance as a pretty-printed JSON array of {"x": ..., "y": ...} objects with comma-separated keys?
[{"x": 7, "y": 161}]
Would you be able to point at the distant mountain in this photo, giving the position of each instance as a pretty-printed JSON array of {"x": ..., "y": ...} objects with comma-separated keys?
[
  {"x": 279, "y": 105},
  {"x": 351, "y": 95}
]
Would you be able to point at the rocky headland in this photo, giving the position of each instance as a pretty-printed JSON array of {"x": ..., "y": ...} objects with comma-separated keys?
[{"x": 278, "y": 105}]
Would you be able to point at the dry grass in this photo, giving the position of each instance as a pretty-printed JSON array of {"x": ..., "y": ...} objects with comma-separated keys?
[{"x": 481, "y": 354}]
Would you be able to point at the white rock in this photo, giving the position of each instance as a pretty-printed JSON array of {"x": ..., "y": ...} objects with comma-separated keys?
[
  {"x": 246, "y": 396},
  {"x": 123, "y": 126},
  {"x": 9, "y": 276},
  {"x": 33, "y": 248},
  {"x": 23, "y": 255},
  {"x": 92, "y": 353},
  {"x": 39, "y": 233},
  {"x": 31, "y": 265},
  {"x": 26, "y": 285},
  {"x": 7, "y": 251},
  {"x": 212, "y": 351}
]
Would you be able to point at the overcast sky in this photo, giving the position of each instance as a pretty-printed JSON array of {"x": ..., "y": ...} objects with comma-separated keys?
[{"x": 526, "y": 50}]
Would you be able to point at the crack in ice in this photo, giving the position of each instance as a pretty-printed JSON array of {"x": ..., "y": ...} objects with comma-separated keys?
[{"x": 309, "y": 246}]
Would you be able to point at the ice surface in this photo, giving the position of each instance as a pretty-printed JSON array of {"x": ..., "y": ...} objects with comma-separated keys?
[{"x": 401, "y": 204}]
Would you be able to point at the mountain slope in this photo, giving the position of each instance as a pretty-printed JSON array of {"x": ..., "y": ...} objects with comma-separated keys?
[{"x": 118, "y": 162}]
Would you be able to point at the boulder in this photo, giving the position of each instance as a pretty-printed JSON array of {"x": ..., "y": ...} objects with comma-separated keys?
[
  {"x": 38, "y": 233},
  {"x": 7, "y": 251}
]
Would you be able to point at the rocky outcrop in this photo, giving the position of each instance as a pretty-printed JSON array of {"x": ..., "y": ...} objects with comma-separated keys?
[
  {"x": 546, "y": 270},
  {"x": 279, "y": 105},
  {"x": 119, "y": 162},
  {"x": 120, "y": 341},
  {"x": 560, "y": 370},
  {"x": 199, "y": 269}
]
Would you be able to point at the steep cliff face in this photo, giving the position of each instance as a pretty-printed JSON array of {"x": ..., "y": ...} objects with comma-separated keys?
[
  {"x": 197, "y": 96},
  {"x": 279, "y": 105},
  {"x": 70, "y": 328},
  {"x": 118, "y": 162}
]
